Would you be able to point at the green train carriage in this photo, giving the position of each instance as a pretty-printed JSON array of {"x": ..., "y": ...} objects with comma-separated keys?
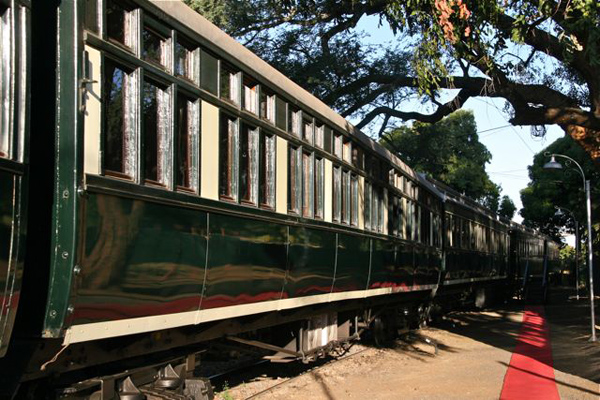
[{"x": 184, "y": 190}]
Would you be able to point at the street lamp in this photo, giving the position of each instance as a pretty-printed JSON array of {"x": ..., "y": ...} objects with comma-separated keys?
[
  {"x": 553, "y": 164},
  {"x": 559, "y": 211}
]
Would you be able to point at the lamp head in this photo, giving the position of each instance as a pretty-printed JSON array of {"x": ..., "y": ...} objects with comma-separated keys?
[{"x": 553, "y": 164}]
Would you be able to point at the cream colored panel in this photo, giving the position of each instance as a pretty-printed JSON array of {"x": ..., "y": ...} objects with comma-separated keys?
[
  {"x": 107, "y": 329},
  {"x": 361, "y": 202},
  {"x": 209, "y": 167},
  {"x": 328, "y": 191},
  {"x": 385, "y": 212},
  {"x": 92, "y": 118},
  {"x": 281, "y": 169}
]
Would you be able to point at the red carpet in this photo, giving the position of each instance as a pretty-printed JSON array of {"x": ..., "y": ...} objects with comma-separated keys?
[{"x": 530, "y": 374}]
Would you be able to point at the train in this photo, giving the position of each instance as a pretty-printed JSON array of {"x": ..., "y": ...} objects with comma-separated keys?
[{"x": 162, "y": 187}]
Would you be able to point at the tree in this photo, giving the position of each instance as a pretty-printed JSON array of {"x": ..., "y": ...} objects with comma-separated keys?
[
  {"x": 450, "y": 152},
  {"x": 563, "y": 188},
  {"x": 541, "y": 56},
  {"x": 507, "y": 208}
]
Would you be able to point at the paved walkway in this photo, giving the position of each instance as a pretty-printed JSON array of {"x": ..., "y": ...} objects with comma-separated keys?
[{"x": 509, "y": 353}]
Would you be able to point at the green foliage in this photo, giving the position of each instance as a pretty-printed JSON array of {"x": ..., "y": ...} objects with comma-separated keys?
[
  {"x": 507, "y": 208},
  {"x": 450, "y": 152},
  {"x": 563, "y": 188},
  {"x": 482, "y": 47}
]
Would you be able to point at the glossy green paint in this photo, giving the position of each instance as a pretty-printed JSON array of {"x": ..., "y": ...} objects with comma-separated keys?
[
  {"x": 11, "y": 253},
  {"x": 246, "y": 261},
  {"x": 383, "y": 264},
  {"x": 353, "y": 263},
  {"x": 68, "y": 136},
  {"x": 138, "y": 258},
  {"x": 311, "y": 262}
]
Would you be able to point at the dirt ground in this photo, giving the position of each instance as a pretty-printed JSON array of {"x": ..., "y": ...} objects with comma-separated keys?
[{"x": 475, "y": 349}]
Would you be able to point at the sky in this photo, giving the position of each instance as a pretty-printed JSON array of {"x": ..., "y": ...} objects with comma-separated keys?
[{"x": 512, "y": 147}]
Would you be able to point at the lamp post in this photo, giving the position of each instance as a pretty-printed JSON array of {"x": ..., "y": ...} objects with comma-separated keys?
[
  {"x": 553, "y": 164},
  {"x": 577, "y": 246}
]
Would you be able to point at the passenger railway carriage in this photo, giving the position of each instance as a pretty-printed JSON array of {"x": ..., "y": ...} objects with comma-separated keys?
[{"x": 182, "y": 190}]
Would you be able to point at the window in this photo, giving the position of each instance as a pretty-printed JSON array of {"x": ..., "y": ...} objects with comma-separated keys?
[
  {"x": 346, "y": 197},
  {"x": 185, "y": 60},
  {"x": 294, "y": 179},
  {"x": 267, "y": 104},
  {"x": 307, "y": 185},
  {"x": 357, "y": 157},
  {"x": 267, "y": 170},
  {"x": 186, "y": 142},
  {"x": 5, "y": 79},
  {"x": 338, "y": 146},
  {"x": 293, "y": 120},
  {"x": 307, "y": 129},
  {"x": 337, "y": 194},
  {"x": 90, "y": 13},
  {"x": 354, "y": 199},
  {"x": 154, "y": 47},
  {"x": 209, "y": 72},
  {"x": 280, "y": 113},
  {"x": 250, "y": 95},
  {"x": 319, "y": 187},
  {"x": 368, "y": 204},
  {"x": 119, "y": 140},
  {"x": 249, "y": 164},
  {"x": 347, "y": 151},
  {"x": 119, "y": 21},
  {"x": 228, "y": 158},
  {"x": 155, "y": 124},
  {"x": 319, "y": 135},
  {"x": 374, "y": 208},
  {"x": 229, "y": 83}
]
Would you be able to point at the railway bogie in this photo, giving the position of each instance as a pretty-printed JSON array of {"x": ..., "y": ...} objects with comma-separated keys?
[{"x": 183, "y": 191}]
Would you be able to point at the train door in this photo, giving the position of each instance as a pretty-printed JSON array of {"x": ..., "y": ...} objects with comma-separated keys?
[{"x": 14, "y": 80}]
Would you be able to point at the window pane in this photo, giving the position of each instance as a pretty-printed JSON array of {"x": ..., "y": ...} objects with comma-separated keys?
[
  {"x": 346, "y": 197},
  {"x": 354, "y": 199},
  {"x": 209, "y": 72},
  {"x": 319, "y": 187},
  {"x": 229, "y": 83},
  {"x": 119, "y": 145},
  {"x": 319, "y": 136},
  {"x": 187, "y": 143},
  {"x": 307, "y": 130},
  {"x": 294, "y": 180},
  {"x": 347, "y": 151},
  {"x": 338, "y": 146},
  {"x": 184, "y": 60},
  {"x": 90, "y": 12},
  {"x": 250, "y": 95},
  {"x": 337, "y": 194},
  {"x": 118, "y": 22},
  {"x": 307, "y": 185},
  {"x": 5, "y": 78},
  {"x": 293, "y": 120},
  {"x": 368, "y": 203},
  {"x": 153, "y": 49},
  {"x": 280, "y": 113},
  {"x": 267, "y": 104},
  {"x": 248, "y": 164},
  {"x": 267, "y": 170},
  {"x": 228, "y": 163},
  {"x": 154, "y": 131}
]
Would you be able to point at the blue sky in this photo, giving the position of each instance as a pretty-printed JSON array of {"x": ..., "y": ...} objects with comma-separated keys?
[{"x": 512, "y": 147}]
